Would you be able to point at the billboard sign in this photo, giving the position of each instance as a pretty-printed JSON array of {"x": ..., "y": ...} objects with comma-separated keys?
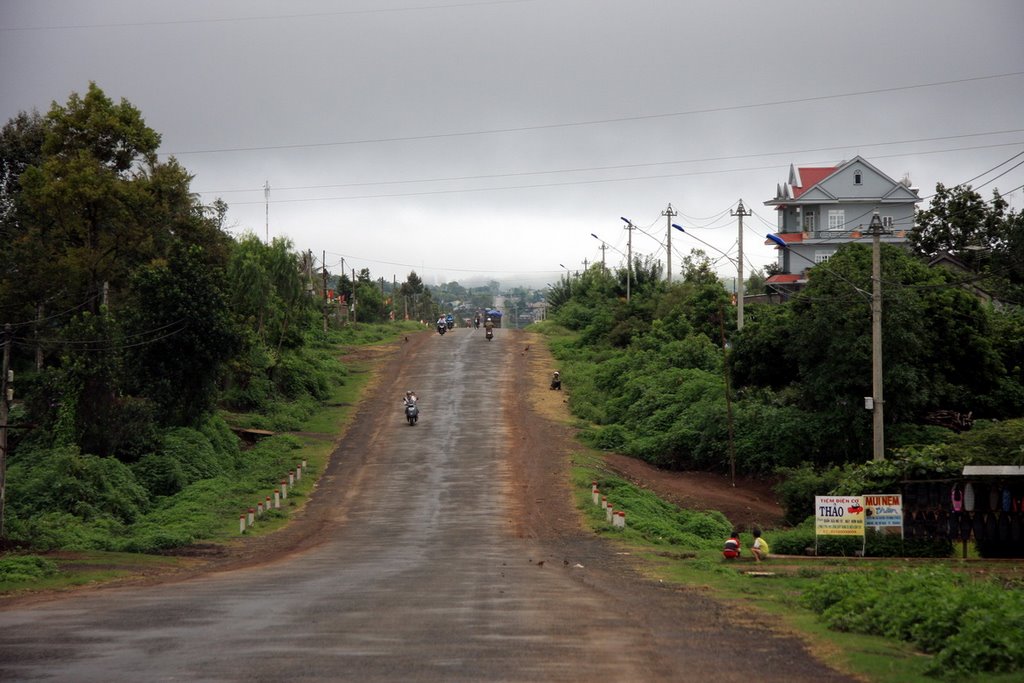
[{"x": 839, "y": 515}]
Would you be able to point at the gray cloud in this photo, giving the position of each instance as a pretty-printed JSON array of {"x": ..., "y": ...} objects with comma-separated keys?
[{"x": 753, "y": 85}]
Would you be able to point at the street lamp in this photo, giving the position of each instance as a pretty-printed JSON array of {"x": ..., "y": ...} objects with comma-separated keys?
[
  {"x": 605, "y": 246},
  {"x": 568, "y": 281},
  {"x": 706, "y": 244}
]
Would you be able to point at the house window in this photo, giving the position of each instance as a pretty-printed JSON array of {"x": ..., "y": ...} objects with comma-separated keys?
[
  {"x": 836, "y": 219},
  {"x": 808, "y": 222},
  {"x": 821, "y": 256},
  {"x": 856, "y": 177}
]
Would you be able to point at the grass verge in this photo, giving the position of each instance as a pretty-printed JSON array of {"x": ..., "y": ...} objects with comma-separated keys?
[
  {"x": 206, "y": 514},
  {"x": 684, "y": 547}
]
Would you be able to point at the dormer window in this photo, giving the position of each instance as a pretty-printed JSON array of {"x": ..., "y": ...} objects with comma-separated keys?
[{"x": 856, "y": 177}]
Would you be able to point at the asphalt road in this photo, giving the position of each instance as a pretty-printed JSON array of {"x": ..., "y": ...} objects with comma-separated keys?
[{"x": 418, "y": 578}]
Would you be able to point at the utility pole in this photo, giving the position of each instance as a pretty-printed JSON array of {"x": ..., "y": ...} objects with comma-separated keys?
[
  {"x": 739, "y": 266},
  {"x": 353, "y": 295},
  {"x": 5, "y": 406},
  {"x": 266, "y": 203},
  {"x": 604, "y": 246},
  {"x": 629, "y": 255},
  {"x": 728, "y": 396},
  {"x": 323, "y": 262},
  {"x": 669, "y": 213},
  {"x": 585, "y": 265},
  {"x": 876, "y": 230}
]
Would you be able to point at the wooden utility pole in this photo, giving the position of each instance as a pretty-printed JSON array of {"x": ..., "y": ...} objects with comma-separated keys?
[
  {"x": 739, "y": 266},
  {"x": 728, "y": 395},
  {"x": 323, "y": 262},
  {"x": 5, "y": 406},
  {"x": 669, "y": 213},
  {"x": 354, "y": 295}
]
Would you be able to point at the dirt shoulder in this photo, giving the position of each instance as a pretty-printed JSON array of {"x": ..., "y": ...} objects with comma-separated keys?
[{"x": 546, "y": 421}]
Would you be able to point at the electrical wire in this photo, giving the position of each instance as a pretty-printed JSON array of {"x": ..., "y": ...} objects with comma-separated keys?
[
  {"x": 582, "y": 169},
  {"x": 594, "y": 122},
  {"x": 272, "y": 17}
]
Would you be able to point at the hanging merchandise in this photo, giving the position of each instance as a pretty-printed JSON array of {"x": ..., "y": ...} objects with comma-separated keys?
[{"x": 969, "y": 497}]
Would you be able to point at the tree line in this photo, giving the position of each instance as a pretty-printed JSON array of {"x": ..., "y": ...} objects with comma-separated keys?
[
  {"x": 665, "y": 375},
  {"x": 131, "y": 314}
]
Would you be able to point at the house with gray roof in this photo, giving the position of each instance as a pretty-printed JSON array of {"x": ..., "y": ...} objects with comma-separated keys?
[{"x": 819, "y": 209}]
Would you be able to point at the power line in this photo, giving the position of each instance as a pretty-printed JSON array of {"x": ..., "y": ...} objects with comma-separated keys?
[
  {"x": 991, "y": 169},
  {"x": 612, "y": 167},
  {"x": 595, "y": 122},
  {"x": 567, "y": 183},
  {"x": 272, "y": 17}
]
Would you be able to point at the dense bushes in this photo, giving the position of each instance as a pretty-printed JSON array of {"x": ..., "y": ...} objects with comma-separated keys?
[
  {"x": 969, "y": 626},
  {"x": 26, "y": 568},
  {"x": 801, "y": 540},
  {"x": 64, "y": 500}
]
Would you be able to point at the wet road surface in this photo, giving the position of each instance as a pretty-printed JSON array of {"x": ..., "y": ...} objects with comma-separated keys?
[{"x": 418, "y": 579}]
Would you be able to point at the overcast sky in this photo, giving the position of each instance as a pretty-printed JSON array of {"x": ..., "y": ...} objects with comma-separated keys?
[{"x": 479, "y": 139}]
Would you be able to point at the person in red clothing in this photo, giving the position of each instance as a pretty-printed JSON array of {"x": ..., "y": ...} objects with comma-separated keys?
[{"x": 732, "y": 546}]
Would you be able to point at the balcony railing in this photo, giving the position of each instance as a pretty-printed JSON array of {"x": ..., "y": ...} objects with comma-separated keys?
[{"x": 846, "y": 235}]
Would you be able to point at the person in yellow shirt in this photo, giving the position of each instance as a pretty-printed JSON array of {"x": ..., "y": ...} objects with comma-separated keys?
[{"x": 760, "y": 548}]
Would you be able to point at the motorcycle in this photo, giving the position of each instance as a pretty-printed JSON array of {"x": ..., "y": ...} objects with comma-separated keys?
[
  {"x": 412, "y": 413},
  {"x": 441, "y": 328},
  {"x": 449, "y": 321},
  {"x": 489, "y": 334}
]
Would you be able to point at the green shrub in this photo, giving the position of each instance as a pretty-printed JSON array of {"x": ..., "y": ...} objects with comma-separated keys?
[
  {"x": 52, "y": 480},
  {"x": 612, "y": 437},
  {"x": 798, "y": 486},
  {"x": 663, "y": 523},
  {"x": 64, "y": 531},
  {"x": 220, "y": 436},
  {"x": 26, "y": 568},
  {"x": 161, "y": 474},
  {"x": 196, "y": 455},
  {"x": 971, "y": 627}
]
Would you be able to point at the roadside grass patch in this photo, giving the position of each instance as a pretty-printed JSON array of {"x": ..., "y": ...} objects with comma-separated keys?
[
  {"x": 15, "y": 568},
  {"x": 214, "y": 480},
  {"x": 60, "y": 570},
  {"x": 648, "y": 518},
  {"x": 888, "y": 620}
]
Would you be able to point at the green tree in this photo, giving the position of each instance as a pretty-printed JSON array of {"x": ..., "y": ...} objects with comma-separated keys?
[{"x": 190, "y": 336}]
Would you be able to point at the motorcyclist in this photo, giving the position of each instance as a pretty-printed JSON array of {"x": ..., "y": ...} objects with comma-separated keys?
[
  {"x": 409, "y": 399},
  {"x": 441, "y": 322},
  {"x": 476, "y": 321}
]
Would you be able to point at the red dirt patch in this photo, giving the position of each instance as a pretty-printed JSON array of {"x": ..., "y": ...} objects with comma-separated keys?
[{"x": 748, "y": 504}]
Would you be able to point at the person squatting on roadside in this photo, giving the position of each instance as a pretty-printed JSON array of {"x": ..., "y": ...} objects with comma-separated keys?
[
  {"x": 760, "y": 548},
  {"x": 732, "y": 546},
  {"x": 556, "y": 381}
]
